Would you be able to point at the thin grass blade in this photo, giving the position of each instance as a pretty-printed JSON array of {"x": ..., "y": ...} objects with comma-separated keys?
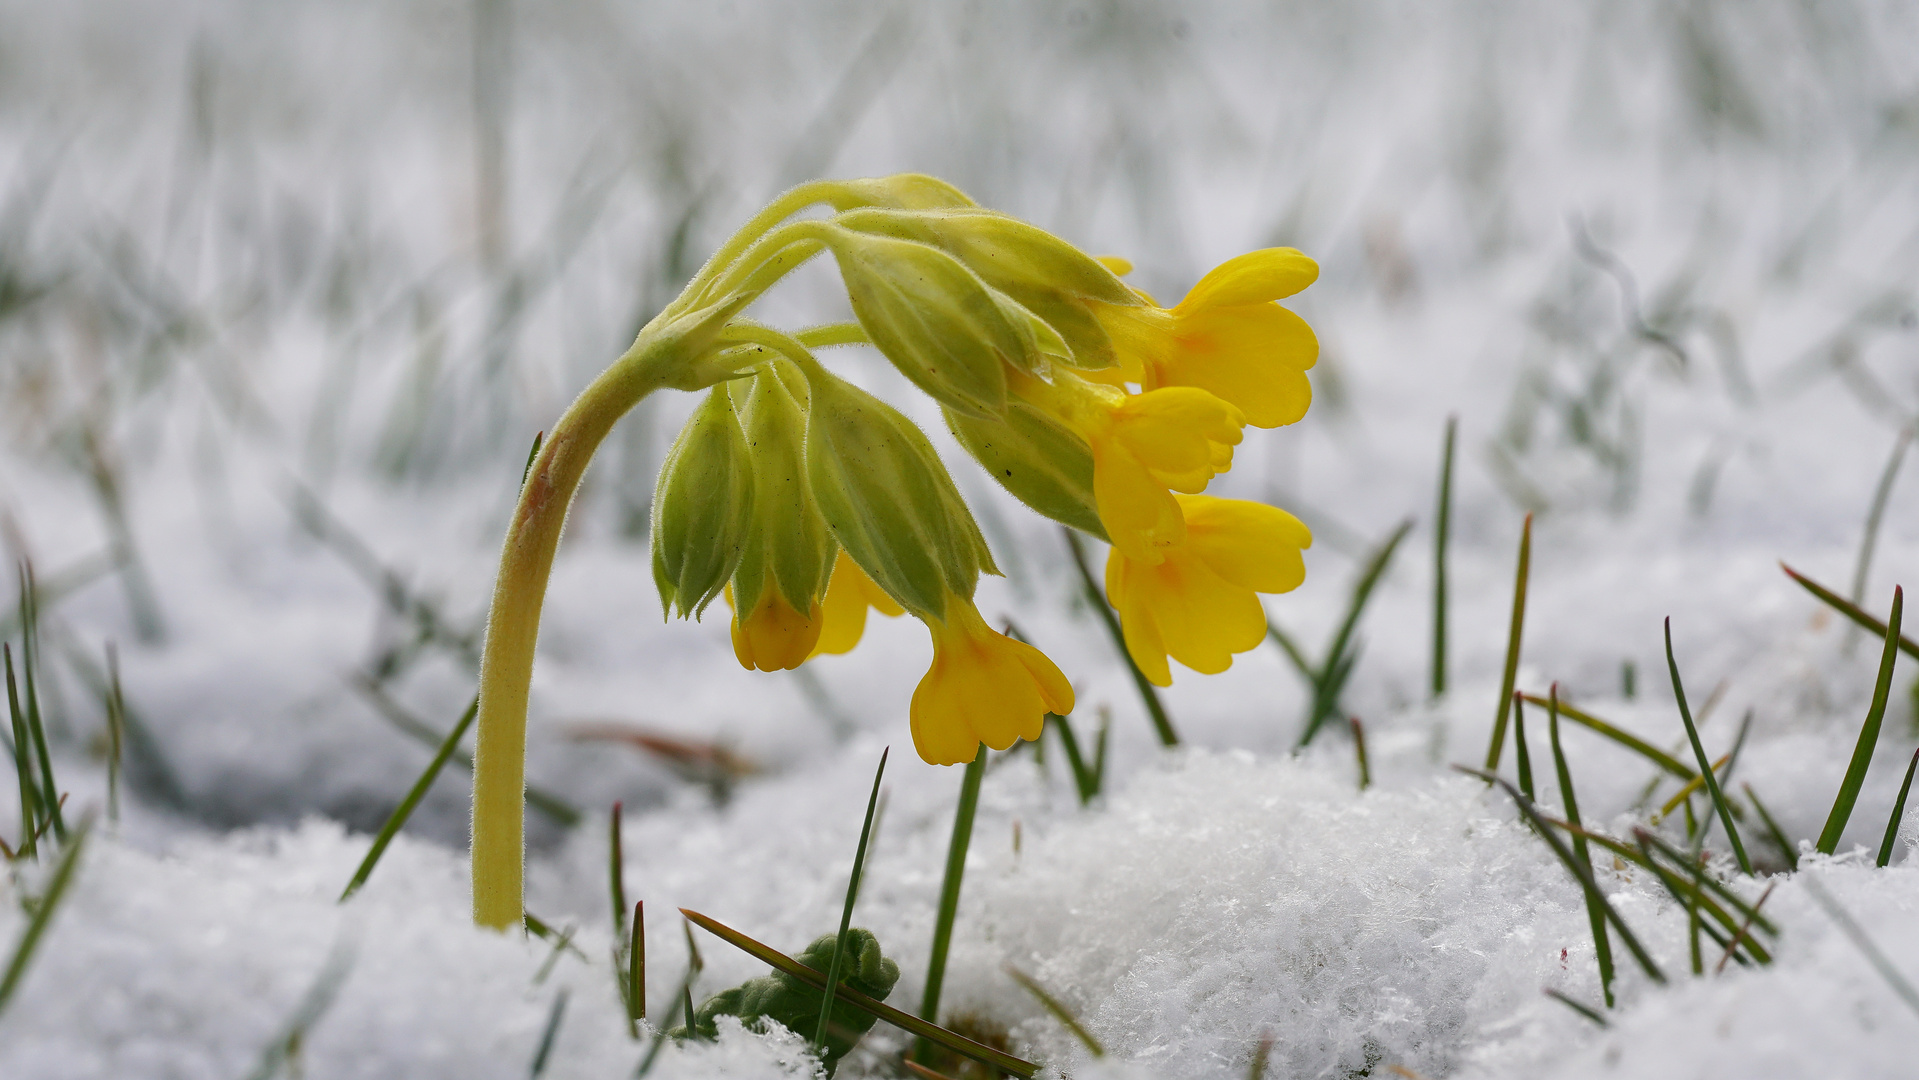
[
  {"x": 1096, "y": 598},
  {"x": 1495, "y": 751},
  {"x": 1850, "y": 610},
  {"x": 846, "y": 913},
  {"x": 1519, "y": 748},
  {"x": 950, "y": 884},
  {"x": 549, "y": 1035},
  {"x": 1060, "y": 1012},
  {"x": 1868, "y": 733},
  {"x": 1773, "y": 831},
  {"x": 1359, "y": 752},
  {"x": 397, "y": 820},
  {"x": 1442, "y": 533},
  {"x": 1705, "y": 765},
  {"x": 1579, "y": 1007},
  {"x": 1332, "y": 674},
  {"x": 22, "y": 762},
  {"x": 43, "y": 912},
  {"x": 1624, "y": 738},
  {"x": 1898, "y": 813},
  {"x": 1864, "y": 943},
  {"x": 636, "y": 966},
  {"x": 907, "y": 1022},
  {"x": 1602, "y": 943}
]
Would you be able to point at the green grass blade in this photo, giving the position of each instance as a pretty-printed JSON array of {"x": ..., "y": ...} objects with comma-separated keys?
[
  {"x": 1293, "y": 652},
  {"x": 1706, "y": 886},
  {"x": 1745, "y": 930},
  {"x": 1898, "y": 813},
  {"x": 1495, "y": 751},
  {"x": 1580, "y": 1007},
  {"x": 1602, "y": 944},
  {"x": 1331, "y": 676},
  {"x": 1256, "y": 1069},
  {"x": 1624, "y": 738},
  {"x": 1519, "y": 748},
  {"x": 1582, "y": 872},
  {"x": 1096, "y": 598},
  {"x": 22, "y": 762},
  {"x": 1874, "y": 515},
  {"x": 1705, "y": 764},
  {"x": 1060, "y": 1012},
  {"x": 959, "y": 1044},
  {"x": 1773, "y": 831},
  {"x": 30, "y": 938},
  {"x": 1359, "y": 752},
  {"x": 846, "y": 913},
  {"x": 549, "y": 1035},
  {"x": 116, "y": 732},
  {"x": 1084, "y": 782},
  {"x": 1850, "y": 610},
  {"x": 397, "y": 820},
  {"x": 616, "y": 892},
  {"x": 1868, "y": 733},
  {"x": 29, "y": 663},
  {"x": 950, "y": 892},
  {"x": 636, "y": 966},
  {"x": 1442, "y": 533}
]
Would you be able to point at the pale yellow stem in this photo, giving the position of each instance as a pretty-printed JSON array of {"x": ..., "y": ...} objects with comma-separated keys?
[{"x": 513, "y": 624}]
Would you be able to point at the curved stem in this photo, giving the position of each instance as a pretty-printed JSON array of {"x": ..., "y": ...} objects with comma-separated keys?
[
  {"x": 808, "y": 194},
  {"x": 513, "y": 624}
]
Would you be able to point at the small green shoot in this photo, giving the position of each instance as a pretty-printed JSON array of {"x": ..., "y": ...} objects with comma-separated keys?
[
  {"x": 1850, "y": 610},
  {"x": 56, "y": 891},
  {"x": 1513, "y": 636},
  {"x": 553, "y": 955},
  {"x": 22, "y": 748},
  {"x": 1087, "y": 779},
  {"x": 846, "y": 913},
  {"x": 1096, "y": 599},
  {"x": 683, "y": 999},
  {"x": 907, "y": 1022},
  {"x": 1579, "y": 1007},
  {"x": 616, "y": 870},
  {"x": 1256, "y": 1069},
  {"x": 950, "y": 892},
  {"x": 527, "y": 469},
  {"x": 1060, "y": 1011},
  {"x": 1898, "y": 813},
  {"x": 50, "y": 801},
  {"x": 549, "y": 1035},
  {"x": 1624, "y": 738},
  {"x": 1773, "y": 831},
  {"x": 116, "y": 732},
  {"x": 1582, "y": 872},
  {"x": 1442, "y": 532},
  {"x": 397, "y": 820},
  {"x": 1519, "y": 748},
  {"x": 1341, "y": 657},
  {"x": 636, "y": 967},
  {"x": 1602, "y": 944},
  {"x": 1857, "y": 935},
  {"x": 1868, "y": 733},
  {"x": 1359, "y": 752},
  {"x": 1705, "y": 767}
]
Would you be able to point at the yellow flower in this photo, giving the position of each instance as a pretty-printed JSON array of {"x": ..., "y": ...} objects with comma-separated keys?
[
  {"x": 983, "y": 687},
  {"x": 1176, "y": 437},
  {"x": 1226, "y": 336},
  {"x": 848, "y": 596},
  {"x": 774, "y": 636},
  {"x": 1200, "y": 603}
]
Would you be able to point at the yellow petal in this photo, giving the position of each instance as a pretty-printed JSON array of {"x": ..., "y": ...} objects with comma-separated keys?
[
  {"x": 1254, "y": 357},
  {"x": 1253, "y": 278},
  {"x": 1202, "y": 618},
  {"x": 1140, "y": 515},
  {"x": 843, "y": 611},
  {"x": 1120, "y": 267},
  {"x": 1137, "y": 624},
  {"x": 1249, "y": 544},
  {"x": 775, "y": 637},
  {"x": 982, "y": 686}
]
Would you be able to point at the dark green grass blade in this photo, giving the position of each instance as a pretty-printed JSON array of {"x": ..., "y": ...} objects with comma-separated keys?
[
  {"x": 636, "y": 966},
  {"x": 846, "y": 913},
  {"x": 1683, "y": 891},
  {"x": 1293, "y": 652},
  {"x": 1442, "y": 533},
  {"x": 1513, "y": 636},
  {"x": 1745, "y": 931},
  {"x": 397, "y": 820},
  {"x": 1096, "y": 599},
  {"x": 1705, "y": 763},
  {"x": 1084, "y": 782},
  {"x": 1773, "y": 831},
  {"x": 1602, "y": 943},
  {"x": 682, "y": 999},
  {"x": 549, "y": 1035},
  {"x": 616, "y": 892},
  {"x": 950, "y": 892},
  {"x": 1060, "y": 1012},
  {"x": 1859, "y": 939},
  {"x": 116, "y": 732},
  {"x": 1850, "y": 610},
  {"x": 29, "y": 664},
  {"x": 30, "y": 938},
  {"x": 907, "y": 1022},
  {"x": 1703, "y": 883},
  {"x": 1579, "y": 1007},
  {"x": 1332, "y": 674},
  {"x": 1624, "y": 738},
  {"x": 22, "y": 762},
  {"x": 1519, "y": 748},
  {"x": 527, "y": 469},
  {"x": 1256, "y": 1069},
  {"x": 1582, "y": 872},
  {"x": 1359, "y": 752},
  {"x": 1868, "y": 733},
  {"x": 1898, "y": 812}
]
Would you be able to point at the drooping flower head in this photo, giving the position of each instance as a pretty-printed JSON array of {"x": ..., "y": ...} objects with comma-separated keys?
[
  {"x": 983, "y": 687},
  {"x": 1199, "y": 604}
]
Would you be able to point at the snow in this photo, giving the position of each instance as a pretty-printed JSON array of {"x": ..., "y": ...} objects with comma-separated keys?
[{"x": 239, "y": 258}]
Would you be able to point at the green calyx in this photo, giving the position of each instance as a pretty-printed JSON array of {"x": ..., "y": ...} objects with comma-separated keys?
[
  {"x": 1038, "y": 270},
  {"x": 781, "y": 998},
  {"x": 1037, "y": 460},
  {"x": 787, "y": 546},
  {"x": 702, "y": 507},
  {"x": 888, "y": 499}
]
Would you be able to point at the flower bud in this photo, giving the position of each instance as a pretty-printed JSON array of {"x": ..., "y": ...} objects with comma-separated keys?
[
  {"x": 702, "y": 508},
  {"x": 788, "y": 553},
  {"x": 1037, "y": 459},
  {"x": 888, "y": 500},
  {"x": 904, "y": 191},
  {"x": 932, "y": 318},
  {"x": 1037, "y": 269}
]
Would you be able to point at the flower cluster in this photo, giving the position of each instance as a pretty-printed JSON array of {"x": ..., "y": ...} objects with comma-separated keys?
[{"x": 805, "y": 501}]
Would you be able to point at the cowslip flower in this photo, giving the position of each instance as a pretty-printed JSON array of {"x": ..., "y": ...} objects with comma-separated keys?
[
  {"x": 1227, "y": 336},
  {"x": 1200, "y": 603},
  {"x": 983, "y": 687},
  {"x": 1176, "y": 437},
  {"x": 843, "y": 612},
  {"x": 774, "y": 636}
]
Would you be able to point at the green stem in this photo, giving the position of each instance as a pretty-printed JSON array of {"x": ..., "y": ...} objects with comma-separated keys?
[
  {"x": 1868, "y": 733},
  {"x": 1512, "y": 646},
  {"x": 1442, "y": 532},
  {"x": 808, "y": 194},
  {"x": 513, "y": 624},
  {"x": 950, "y": 893}
]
